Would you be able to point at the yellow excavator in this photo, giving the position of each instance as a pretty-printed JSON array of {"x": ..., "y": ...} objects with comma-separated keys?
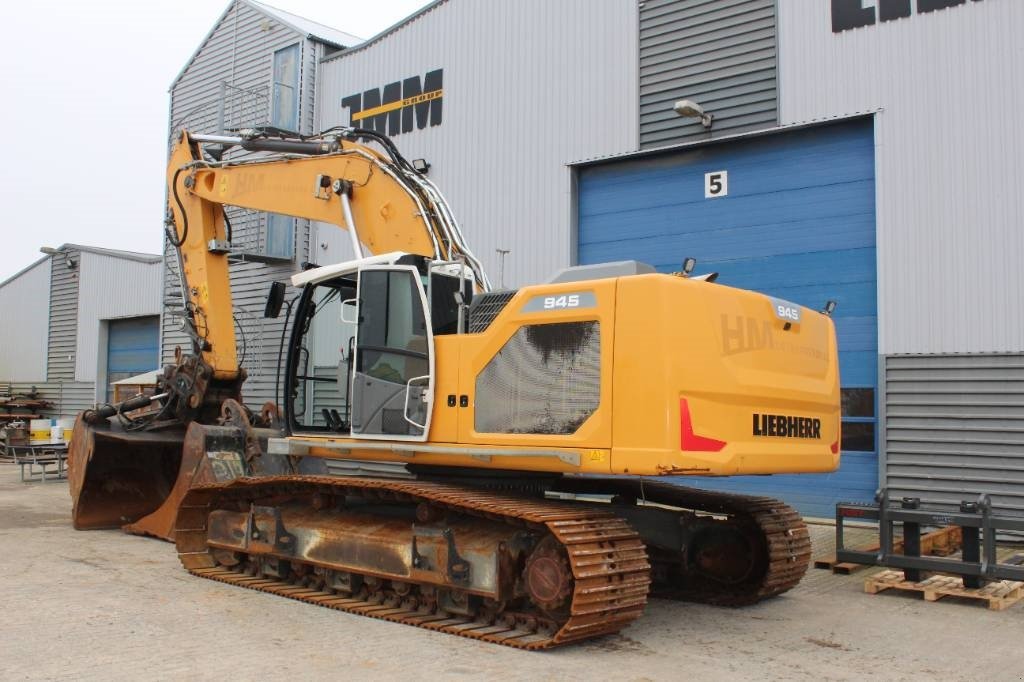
[{"x": 478, "y": 462}]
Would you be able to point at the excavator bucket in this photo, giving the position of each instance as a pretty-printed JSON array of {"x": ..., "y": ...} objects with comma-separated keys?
[{"x": 124, "y": 478}]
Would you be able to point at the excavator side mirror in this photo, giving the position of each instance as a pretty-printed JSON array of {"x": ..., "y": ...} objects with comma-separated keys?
[{"x": 275, "y": 299}]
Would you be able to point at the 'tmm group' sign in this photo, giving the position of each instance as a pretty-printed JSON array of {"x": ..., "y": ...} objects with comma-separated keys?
[{"x": 399, "y": 107}]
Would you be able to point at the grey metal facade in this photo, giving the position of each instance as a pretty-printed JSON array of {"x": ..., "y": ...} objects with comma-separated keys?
[
  {"x": 954, "y": 428},
  {"x": 68, "y": 397},
  {"x": 528, "y": 87},
  {"x": 58, "y": 340},
  {"x": 948, "y": 163},
  {"x": 63, "y": 330},
  {"x": 102, "y": 274},
  {"x": 21, "y": 303},
  {"x": 227, "y": 84},
  {"x": 718, "y": 53},
  {"x": 948, "y": 178}
]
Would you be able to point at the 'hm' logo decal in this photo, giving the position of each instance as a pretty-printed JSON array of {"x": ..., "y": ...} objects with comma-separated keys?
[{"x": 399, "y": 107}]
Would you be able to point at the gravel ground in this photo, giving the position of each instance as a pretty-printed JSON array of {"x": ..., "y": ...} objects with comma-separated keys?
[{"x": 104, "y": 605}]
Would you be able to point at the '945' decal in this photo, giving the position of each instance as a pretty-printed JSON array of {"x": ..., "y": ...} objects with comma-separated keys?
[
  {"x": 785, "y": 311},
  {"x": 565, "y": 301},
  {"x": 569, "y": 301}
]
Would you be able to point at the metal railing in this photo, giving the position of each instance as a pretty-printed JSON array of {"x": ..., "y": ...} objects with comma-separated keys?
[{"x": 232, "y": 109}]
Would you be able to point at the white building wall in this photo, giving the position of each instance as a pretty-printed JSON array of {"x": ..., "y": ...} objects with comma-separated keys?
[
  {"x": 948, "y": 87},
  {"x": 24, "y": 324},
  {"x": 528, "y": 87},
  {"x": 110, "y": 288}
]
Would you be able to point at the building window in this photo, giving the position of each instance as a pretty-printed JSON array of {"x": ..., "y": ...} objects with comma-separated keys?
[
  {"x": 285, "y": 105},
  {"x": 280, "y": 236},
  {"x": 859, "y": 419}
]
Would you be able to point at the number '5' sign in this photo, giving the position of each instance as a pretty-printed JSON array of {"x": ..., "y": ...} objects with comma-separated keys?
[{"x": 716, "y": 184}]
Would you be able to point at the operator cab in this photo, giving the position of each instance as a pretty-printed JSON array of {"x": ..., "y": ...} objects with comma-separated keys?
[{"x": 361, "y": 356}]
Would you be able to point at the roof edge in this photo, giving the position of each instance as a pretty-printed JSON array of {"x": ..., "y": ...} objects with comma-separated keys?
[
  {"x": 386, "y": 32},
  {"x": 747, "y": 134},
  {"x": 21, "y": 272},
  {"x": 264, "y": 8},
  {"x": 113, "y": 253},
  {"x": 199, "y": 47}
]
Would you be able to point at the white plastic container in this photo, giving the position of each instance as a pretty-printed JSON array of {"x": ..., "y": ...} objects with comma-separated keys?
[
  {"x": 67, "y": 425},
  {"x": 39, "y": 430}
]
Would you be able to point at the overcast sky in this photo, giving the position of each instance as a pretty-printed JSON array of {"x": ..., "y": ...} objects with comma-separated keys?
[{"x": 84, "y": 116}]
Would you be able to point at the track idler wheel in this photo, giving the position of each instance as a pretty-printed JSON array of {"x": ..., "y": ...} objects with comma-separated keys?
[
  {"x": 547, "y": 576},
  {"x": 727, "y": 553}
]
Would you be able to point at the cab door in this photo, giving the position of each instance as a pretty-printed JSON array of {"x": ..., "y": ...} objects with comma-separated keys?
[{"x": 393, "y": 378}]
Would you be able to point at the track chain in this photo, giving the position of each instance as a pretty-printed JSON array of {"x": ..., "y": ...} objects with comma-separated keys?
[
  {"x": 786, "y": 538},
  {"x": 607, "y": 558}
]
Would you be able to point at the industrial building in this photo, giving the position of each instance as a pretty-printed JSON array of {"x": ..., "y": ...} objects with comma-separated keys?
[
  {"x": 860, "y": 152},
  {"x": 256, "y": 66},
  {"x": 72, "y": 340}
]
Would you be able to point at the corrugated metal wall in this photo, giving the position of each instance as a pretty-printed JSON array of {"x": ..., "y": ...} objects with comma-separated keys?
[
  {"x": 54, "y": 344},
  {"x": 950, "y": 87},
  {"x": 718, "y": 53},
  {"x": 63, "y": 329},
  {"x": 955, "y": 428},
  {"x": 239, "y": 51},
  {"x": 111, "y": 288},
  {"x": 26, "y": 319},
  {"x": 54, "y": 341},
  {"x": 68, "y": 398},
  {"x": 528, "y": 87}
]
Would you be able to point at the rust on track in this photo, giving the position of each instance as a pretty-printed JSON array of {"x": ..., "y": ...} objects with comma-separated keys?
[{"x": 607, "y": 558}]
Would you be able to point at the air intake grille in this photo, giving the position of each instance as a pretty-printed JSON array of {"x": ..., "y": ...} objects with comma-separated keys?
[
  {"x": 486, "y": 307},
  {"x": 545, "y": 379}
]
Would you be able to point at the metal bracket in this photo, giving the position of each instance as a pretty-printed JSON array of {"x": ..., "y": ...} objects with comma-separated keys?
[
  {"x": 283, "y": 540},
  {"x": 458, "y": 568},
  {"x": 418, "y": 560},
  {"x": 252, "y": 531}
]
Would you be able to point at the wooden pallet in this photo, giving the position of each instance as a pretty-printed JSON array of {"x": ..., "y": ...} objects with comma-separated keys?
[
  {"x": 998, "y": 595},
  {"x": 941, "y": 542},
  {"x": 841, "y": 567}
]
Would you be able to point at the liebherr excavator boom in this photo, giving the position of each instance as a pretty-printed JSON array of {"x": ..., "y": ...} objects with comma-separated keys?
[{"x": 472, "y": 461}]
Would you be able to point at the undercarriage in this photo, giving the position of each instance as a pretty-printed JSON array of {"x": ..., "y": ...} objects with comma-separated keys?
[{"x": 518, "y": 569}]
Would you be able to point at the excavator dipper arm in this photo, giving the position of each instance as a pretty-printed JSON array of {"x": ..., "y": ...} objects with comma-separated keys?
[{"x": 383, "y": 203}]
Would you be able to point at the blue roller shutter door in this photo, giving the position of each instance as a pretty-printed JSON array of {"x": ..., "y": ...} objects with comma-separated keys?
[
  {"x": 798, "y": 223},
  {"x": 133, "y": 347}
]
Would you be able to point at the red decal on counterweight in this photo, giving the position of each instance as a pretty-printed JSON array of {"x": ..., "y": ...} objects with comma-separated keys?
[{"x": 688, "y": 440}]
